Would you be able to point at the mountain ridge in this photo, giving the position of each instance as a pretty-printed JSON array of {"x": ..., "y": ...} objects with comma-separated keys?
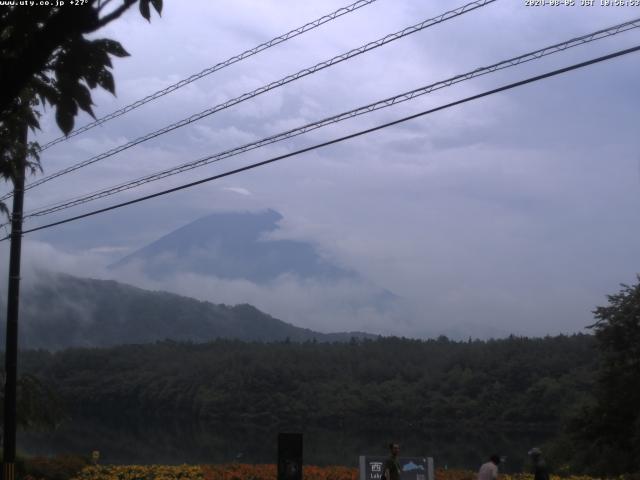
[{"x": 61, "y": 311}]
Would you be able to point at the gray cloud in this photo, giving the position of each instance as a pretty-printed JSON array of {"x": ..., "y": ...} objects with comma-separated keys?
[{"x": 516, "y": 213}]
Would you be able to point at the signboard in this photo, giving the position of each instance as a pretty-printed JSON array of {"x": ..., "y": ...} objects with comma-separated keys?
[{"x": 412, "y": 468}]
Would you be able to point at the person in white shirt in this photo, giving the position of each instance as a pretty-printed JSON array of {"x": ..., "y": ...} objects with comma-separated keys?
[{"x": 489, "y": 470}]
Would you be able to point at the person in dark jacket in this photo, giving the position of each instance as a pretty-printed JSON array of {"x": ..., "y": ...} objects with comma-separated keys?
[
  {"x": 540, "y": 469},
  {"x": 392, "y": 466}
]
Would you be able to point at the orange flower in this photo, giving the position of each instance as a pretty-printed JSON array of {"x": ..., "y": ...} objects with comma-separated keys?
[{"x": 235, "y": 471}]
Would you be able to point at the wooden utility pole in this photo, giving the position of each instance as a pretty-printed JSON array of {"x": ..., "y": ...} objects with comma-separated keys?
[{"x": 13, "y": 301}]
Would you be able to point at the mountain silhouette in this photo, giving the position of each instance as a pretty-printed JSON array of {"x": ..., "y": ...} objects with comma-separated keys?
[{"x": 233, "y": 245}]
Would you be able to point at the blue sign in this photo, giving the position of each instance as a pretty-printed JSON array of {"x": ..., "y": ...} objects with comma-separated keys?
[{"x": 411, "y": 468}]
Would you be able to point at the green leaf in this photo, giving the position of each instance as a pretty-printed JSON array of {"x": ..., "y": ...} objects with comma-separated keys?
[
  {"x": 98, "y": 56},
  {"x": 64, "y": 118},
  {"x": 157, "y": 4},
  {"x": 31, "y": 120},
  {"x": 83, "y": 98},
  {"x": 46, "y": 92},
  {"x": 91, "y": 77},
  {"x": 112, "y": 47},
  {"x": 144, "y": 9},
  {"x": 105, "y": 80}
]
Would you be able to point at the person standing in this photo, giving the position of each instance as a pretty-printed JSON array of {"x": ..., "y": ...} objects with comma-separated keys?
[
  {"x": 392, "y": 466},
  {"x": 489, "y": 470},
  {"x": 540, "y": 469}
]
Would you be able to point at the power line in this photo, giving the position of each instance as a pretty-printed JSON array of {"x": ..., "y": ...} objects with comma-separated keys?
[
  {"x": 265, "y": 88},
  {"x": 537, "y": 54},
  {"x": 340, "y": 139},
  {"x": 208, "y": 71}
]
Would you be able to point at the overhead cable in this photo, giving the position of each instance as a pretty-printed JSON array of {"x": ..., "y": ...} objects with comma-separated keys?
[
  {"x": 339, "y": 139},
  {"x": 380, "y": 104},
  {"x": 265, "y": 88},
  {"x": 208, "y": 71}
]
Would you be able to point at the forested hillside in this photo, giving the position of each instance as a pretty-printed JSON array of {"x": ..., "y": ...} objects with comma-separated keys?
[
  {"x": 515, "y": 383},
  {"x": 60, "y": 311}
]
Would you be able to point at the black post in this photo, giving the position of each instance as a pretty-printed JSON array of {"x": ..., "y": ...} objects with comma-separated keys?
[
  {"x": 13, "y": 299},
  {"x": 289, "y": 456}
]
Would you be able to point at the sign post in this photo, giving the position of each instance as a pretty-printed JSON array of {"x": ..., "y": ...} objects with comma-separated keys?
[
  {"x": 289, "y": 456},
  {"x": 411, "y": 468}
]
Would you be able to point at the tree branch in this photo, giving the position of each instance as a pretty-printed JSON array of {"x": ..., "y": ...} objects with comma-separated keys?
[
  {"x": 102, "y": 4},
  {"x": 16, "y": 72},
  {"x": 116, "y": 13}
]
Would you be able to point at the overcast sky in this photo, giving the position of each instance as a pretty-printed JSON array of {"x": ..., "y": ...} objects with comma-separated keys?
[{"x": 516, "y": 213}]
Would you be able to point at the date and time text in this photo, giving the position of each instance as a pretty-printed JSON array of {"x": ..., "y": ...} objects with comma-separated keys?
[{"x": 582, "y": 3}]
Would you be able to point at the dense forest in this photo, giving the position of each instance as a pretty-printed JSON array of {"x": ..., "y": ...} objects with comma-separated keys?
[
  {"x": 577, "y": 394},
  {"x": 514, "y": 383}
]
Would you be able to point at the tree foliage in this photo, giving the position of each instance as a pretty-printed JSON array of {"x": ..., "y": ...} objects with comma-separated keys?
[
  {"x": 45, "y": 49},
  {"x": 46, "y": 59},
  {"x": 38, "y": 406},
  {"x": 12, "y": 129},
  {"x": 515, "y": 383},
  {"x": 605, "y": 437}
]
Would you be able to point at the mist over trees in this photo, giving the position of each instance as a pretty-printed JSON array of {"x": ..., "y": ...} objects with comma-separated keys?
[{"x": 62, "y": 311}]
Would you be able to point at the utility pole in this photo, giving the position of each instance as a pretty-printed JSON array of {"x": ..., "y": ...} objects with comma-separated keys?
[{"x": 13, "y": 299}]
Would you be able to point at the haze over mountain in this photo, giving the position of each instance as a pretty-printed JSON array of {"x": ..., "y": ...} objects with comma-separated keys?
[
  {"x": 60, "y": 311},
  {"x": 230, "y": 258},
  {"x": 233, "y": 245},
  {"x": 242, "y": 246}
]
